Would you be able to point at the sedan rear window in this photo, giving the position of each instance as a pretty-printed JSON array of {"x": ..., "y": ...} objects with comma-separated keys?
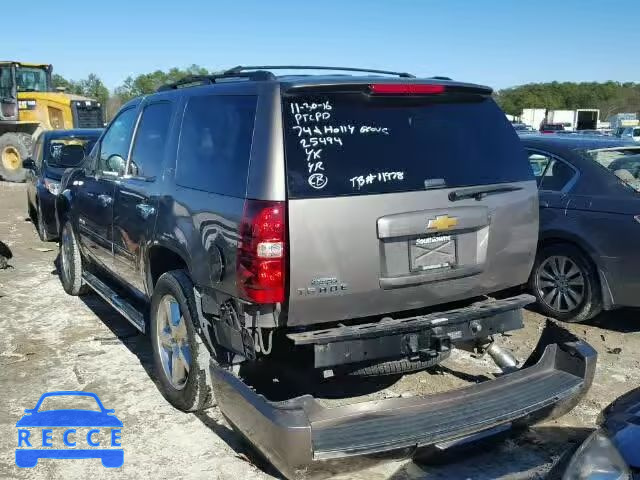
[
  {"x": 350, "y": 144},
  {"x": 68, "y": 151},
  {"x": 624, "y": 163}
]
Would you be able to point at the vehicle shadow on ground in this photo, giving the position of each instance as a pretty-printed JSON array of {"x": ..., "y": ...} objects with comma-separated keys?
[
  {"x": 139, "y": 344},
  {"x": 624, "y": 320},
  {"x": 538, "y": 452}
]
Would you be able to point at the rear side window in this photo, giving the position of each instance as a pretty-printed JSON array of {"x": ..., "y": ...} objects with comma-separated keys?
[
  {"x": 215, "y": 143},
  {"x": 150, "y": 141},
  {"x": 341, "y": 144}
]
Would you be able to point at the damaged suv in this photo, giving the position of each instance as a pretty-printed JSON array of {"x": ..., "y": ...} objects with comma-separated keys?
[{"x": 343, "y": 224}]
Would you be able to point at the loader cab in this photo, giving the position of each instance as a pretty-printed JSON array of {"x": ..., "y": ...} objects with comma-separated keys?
[
  {"x": 33, "y": 77},
  {"x": 16, "y": 78},
  {"x": 8, "y": 92}
]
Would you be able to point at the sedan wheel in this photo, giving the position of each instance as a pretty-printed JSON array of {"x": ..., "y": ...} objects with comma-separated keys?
[
  {"x": 560, "y": 284},
  {"x": 565, "y": 283}
]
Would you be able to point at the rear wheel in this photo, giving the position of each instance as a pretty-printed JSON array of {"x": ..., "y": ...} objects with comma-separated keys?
[
  {"x": 70, "y": 263},
  {"x": 565, "y": 284},
  {"x": 179, "y": 356},
  {"x": 14, "y": 148}
]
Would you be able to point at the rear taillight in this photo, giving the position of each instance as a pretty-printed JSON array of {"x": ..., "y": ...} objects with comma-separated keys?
[
  {"x": 261, "y": 252},
  {"x": 405, "y": 89}
]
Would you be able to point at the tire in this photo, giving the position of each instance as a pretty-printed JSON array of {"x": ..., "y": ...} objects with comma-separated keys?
[
  {"x": 31, "y": 212},
  {"x": 565, "y": 270},
  {"x": 14, "y": 148},
  {"x": 183, "y": 351},
  {"x": 41, "y": 226},
  {"x": 397, "y": 367},
  {"x": 71, "y": 263}
]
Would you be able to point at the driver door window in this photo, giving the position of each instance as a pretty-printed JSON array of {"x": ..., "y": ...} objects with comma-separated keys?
[{"x": 114, "y": 147}]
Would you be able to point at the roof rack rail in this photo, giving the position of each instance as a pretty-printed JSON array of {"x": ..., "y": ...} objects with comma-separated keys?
[
  {"x": 241, "y": 68},
  {"x": 196, "y": 80}
]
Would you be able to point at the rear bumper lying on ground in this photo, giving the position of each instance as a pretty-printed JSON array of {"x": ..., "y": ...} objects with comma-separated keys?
[{"x": 297, "y": 434}]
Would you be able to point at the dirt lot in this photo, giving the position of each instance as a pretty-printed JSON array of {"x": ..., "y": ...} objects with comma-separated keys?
[{"x": 51, "y": 341}]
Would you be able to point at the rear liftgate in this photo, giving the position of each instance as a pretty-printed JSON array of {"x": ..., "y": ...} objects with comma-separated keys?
[{"x": 298, "y": 435}]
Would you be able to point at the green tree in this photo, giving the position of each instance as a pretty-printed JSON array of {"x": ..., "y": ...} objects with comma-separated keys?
[
  {"x": 147, "y": 83},
  {"x": 93, "y": 87}
]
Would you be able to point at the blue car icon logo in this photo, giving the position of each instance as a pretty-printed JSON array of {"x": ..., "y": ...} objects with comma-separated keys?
[{"x": 69, "y": 433}]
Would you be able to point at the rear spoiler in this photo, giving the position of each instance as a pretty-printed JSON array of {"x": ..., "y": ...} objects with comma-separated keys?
[{"x": 385, "y": 87}]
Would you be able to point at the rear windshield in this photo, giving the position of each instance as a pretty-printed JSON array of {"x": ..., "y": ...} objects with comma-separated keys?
[
  {"x": 350, "y": 144},
  {"x": 68, "y": 151},
  {"x": 623, "y": 163}
]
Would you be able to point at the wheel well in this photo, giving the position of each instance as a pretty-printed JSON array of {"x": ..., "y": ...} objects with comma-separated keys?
[
  {"x": 559, "y": 241},
  {"x": 162, "y": 260}
]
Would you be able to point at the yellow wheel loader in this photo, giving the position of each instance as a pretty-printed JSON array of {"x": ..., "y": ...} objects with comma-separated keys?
[{"x": 28, "y": 105}]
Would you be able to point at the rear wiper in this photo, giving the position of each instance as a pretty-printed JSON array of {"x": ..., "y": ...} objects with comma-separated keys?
[{"x": 480, "y": 192}]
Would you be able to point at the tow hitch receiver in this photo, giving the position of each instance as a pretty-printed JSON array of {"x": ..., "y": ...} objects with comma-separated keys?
[{"x": 297, "y": 434}]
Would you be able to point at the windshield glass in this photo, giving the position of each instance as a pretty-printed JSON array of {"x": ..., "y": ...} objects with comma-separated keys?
[
  {"x": 31, "y": 79},
  {"x": 342, "y": 144},
  {"x": 5, "y": 83},
  {"x": 67, "y": 152},
  {"x": 624, "y": 163}
]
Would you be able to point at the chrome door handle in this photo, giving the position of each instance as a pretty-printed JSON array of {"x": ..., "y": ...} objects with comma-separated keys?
[
  {"x": 145, "y": 210},
  {"x": 105, "y": 200}
]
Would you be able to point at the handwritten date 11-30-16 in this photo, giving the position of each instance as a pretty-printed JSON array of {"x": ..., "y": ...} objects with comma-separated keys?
[{"x": 310, "y": 107}]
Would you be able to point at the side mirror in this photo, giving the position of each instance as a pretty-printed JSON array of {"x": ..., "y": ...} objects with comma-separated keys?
[
  {"x": 116, "y": 163},
  {"x": 29, "y": 164}
]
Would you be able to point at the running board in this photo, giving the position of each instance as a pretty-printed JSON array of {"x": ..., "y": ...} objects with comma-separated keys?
[{"x": 123, "y": 307}]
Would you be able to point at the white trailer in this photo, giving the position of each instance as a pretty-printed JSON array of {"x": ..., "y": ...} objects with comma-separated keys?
[
  {"x": 564, "y": 117},
  {"x": 533, "y": 117}
]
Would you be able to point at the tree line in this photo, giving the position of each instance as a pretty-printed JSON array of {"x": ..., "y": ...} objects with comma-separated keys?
[{"x": 609, "y": 97}]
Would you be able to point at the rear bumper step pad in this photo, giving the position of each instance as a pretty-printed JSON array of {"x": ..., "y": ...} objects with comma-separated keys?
[{"x": 297, "y": 434}]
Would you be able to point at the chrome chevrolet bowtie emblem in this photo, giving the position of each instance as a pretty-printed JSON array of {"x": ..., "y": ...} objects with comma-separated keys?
[{"x": 442, "y": 222}]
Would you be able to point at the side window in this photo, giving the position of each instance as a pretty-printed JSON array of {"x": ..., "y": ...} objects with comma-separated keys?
[
  {"x": 557, "y": 175},
  {"x": 539, "y": 164},
  {"x": 215, "y": 143},
  {"x": 115, "y": 143},
  {"x": 150, "y": 141}
]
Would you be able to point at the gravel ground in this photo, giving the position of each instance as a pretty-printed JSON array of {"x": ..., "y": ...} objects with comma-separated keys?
[{"x": 51, "y": 341}]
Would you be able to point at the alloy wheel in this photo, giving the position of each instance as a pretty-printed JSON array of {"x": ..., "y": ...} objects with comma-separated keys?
[
  {"x": 560, "y": 283},
  {"x": 173, "y": 342}
]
